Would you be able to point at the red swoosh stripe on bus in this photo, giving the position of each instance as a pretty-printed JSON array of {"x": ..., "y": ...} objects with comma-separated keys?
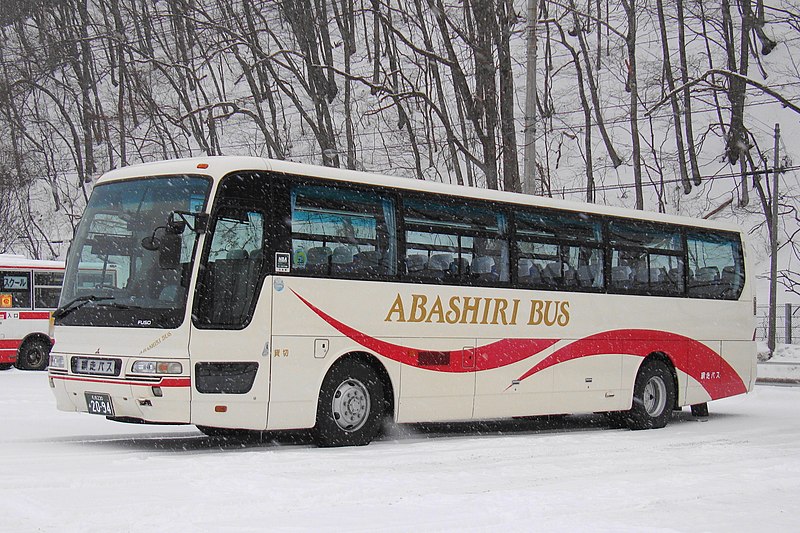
[
  {"x": 694, "y": 358},
  {"x": 165, "y": 382},
  {"x": 494, "y": 355}
]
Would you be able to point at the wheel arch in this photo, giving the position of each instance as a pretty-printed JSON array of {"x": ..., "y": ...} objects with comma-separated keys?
[
  {"x": 32, "y": 337},
  {"x": 369, "y": 360},
  {"x": 667, "y": 360}
]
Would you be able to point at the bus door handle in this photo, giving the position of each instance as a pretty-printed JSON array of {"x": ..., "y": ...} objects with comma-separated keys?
[{"x": 468, "y": 357}]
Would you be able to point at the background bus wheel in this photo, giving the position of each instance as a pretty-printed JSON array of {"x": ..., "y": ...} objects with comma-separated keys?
[
  {"x": 34, "y": 354},
  {"x": 700, "y": 410},
  {"x": 6, "y": 366},
  {"x": 350, "y": 407},
  {"x": 653, "y": 397}
]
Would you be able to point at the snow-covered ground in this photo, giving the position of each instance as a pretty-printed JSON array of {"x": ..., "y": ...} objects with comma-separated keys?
[
  {"x": 738, "y": 470},
  {"x": 784, "y": 365}
]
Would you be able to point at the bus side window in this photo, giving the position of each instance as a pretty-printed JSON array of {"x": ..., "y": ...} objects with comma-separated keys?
[
  {"x": 646, "y": 258},
  {"x": 47, "y": 289},
  {"x": 716, "y": 269},
  {"x": 455, "y": 242},
  {"x": 16, "y": 286},
  {"x": 342, "y": 233},
  {"x": 559, "y": 251},
  {"x": 233, "y": 268}
]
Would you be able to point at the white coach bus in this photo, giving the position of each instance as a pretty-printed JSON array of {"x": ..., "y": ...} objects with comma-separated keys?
[
  {"x": 265, "y": 295},
  {"x": 29, "y": 291}
]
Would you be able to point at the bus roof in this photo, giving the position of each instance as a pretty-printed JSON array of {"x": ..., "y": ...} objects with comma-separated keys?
[
  {"x": 217, "y": 167},
  {"x": 20, "y": 261}
]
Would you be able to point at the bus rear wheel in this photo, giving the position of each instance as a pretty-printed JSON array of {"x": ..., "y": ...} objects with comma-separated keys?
[
  {"x": 6, "y": 366},
  {"x": 653, "y": 397},
  {"x": 34, "y": 354},
  {"x": 350, "y": 407}
]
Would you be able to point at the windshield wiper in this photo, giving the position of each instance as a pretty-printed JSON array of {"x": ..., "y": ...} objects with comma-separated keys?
[
  {"x": 77, "y": 303},
  {"x": 116, "y": 305}
]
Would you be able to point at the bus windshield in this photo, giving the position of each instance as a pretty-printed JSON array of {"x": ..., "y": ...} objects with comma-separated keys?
[{"x": 117, "y": 274}]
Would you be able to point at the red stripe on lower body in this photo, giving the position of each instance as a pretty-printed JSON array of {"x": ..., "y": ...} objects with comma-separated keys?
[
  {"x": 10, "y": 344},
  {"x": 165, "y": 382},
  {"x": 8, "y": 350},
  {"x": 8, "y": 356}
]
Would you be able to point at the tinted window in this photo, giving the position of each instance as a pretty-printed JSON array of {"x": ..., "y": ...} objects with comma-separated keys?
[
  {"x": 47, "y": 289},
  {"x": 561, "y": 226},
  {"x": 646, "y": 258},
  {"x": 232, "y": 272},
  {"x": 341, "y": 232},
  {"x": 15, "y": 289},
  {"x": 455, "y": 242},
  {"x": 559, "y": 250},
  {"x": 716, "y": 269},
  {"x": 643, "y": 235}
]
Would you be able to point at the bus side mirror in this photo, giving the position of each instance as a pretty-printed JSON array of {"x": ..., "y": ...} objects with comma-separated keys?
[{"x": 169, "y": 251}]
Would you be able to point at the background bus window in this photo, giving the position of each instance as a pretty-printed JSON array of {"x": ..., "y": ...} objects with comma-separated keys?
[
  {"x": 17, "y": 285},
  {"x": 340, "y": 232},
  {"x": 47, "y": 289},
  {"x": 455, "y": 243},
  {"x": 715, "y": 266},
  {"x": 559, "y": 251},
  {"x": 645, "y": 258}
]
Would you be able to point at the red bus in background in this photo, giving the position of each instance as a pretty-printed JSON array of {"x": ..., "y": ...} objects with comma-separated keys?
[{"x": 29, "y": 292}]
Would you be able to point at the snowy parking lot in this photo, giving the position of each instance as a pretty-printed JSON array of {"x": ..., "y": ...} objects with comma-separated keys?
[{"x": 738, "y": 470}]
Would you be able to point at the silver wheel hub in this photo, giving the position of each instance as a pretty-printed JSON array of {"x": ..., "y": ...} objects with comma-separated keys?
[
  {"x": 655, "y": 396},
  {"x": 351, "y": 405}
]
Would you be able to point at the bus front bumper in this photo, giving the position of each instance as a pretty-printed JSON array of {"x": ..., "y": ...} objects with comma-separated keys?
[{"x": 161, "y": 400}]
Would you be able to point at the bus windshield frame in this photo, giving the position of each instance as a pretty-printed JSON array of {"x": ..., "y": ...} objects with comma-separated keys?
[{"x": 117, "y": 275}]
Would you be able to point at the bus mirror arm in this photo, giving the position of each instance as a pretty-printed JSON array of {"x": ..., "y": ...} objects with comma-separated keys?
[
  {"x": 200, "y": 220},
  {"x": 152, "y": 243}
]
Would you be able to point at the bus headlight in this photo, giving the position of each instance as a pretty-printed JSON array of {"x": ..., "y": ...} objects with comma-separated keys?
[
  {"x": 57, "y": 361},
  {"x": 156, "y": 367}
]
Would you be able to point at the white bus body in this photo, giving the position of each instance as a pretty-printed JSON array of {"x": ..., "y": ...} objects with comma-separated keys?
[
  {"x": 323, "y": 298},
  {"x": 29, "y": 291}
]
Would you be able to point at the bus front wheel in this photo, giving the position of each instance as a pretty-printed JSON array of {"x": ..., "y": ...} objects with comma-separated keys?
[
  {"x": 34, "y": 354},
  {"x": 653, "y": 396},
  {"x": 350, "y": 407}
]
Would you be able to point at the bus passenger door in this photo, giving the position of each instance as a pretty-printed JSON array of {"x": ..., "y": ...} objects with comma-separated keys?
[{"x": 230, "y": 333}]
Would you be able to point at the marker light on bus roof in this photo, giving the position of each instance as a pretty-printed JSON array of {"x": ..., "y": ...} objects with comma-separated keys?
[{"x": 202, "y": 165}]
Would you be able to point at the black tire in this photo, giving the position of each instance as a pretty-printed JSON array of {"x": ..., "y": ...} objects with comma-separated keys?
[
  {"x": 700, "y": 410},
  {"x": 350, "y": 407},
  {"x": 6, "y": 366},
  {"x": 616, "y": 419},
  {"x": 653, "y": 396},
  {"x": 34, "y": 354}
]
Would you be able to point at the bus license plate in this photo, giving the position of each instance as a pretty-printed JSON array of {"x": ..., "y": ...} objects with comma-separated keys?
[{"x": 99, "y": 404}]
